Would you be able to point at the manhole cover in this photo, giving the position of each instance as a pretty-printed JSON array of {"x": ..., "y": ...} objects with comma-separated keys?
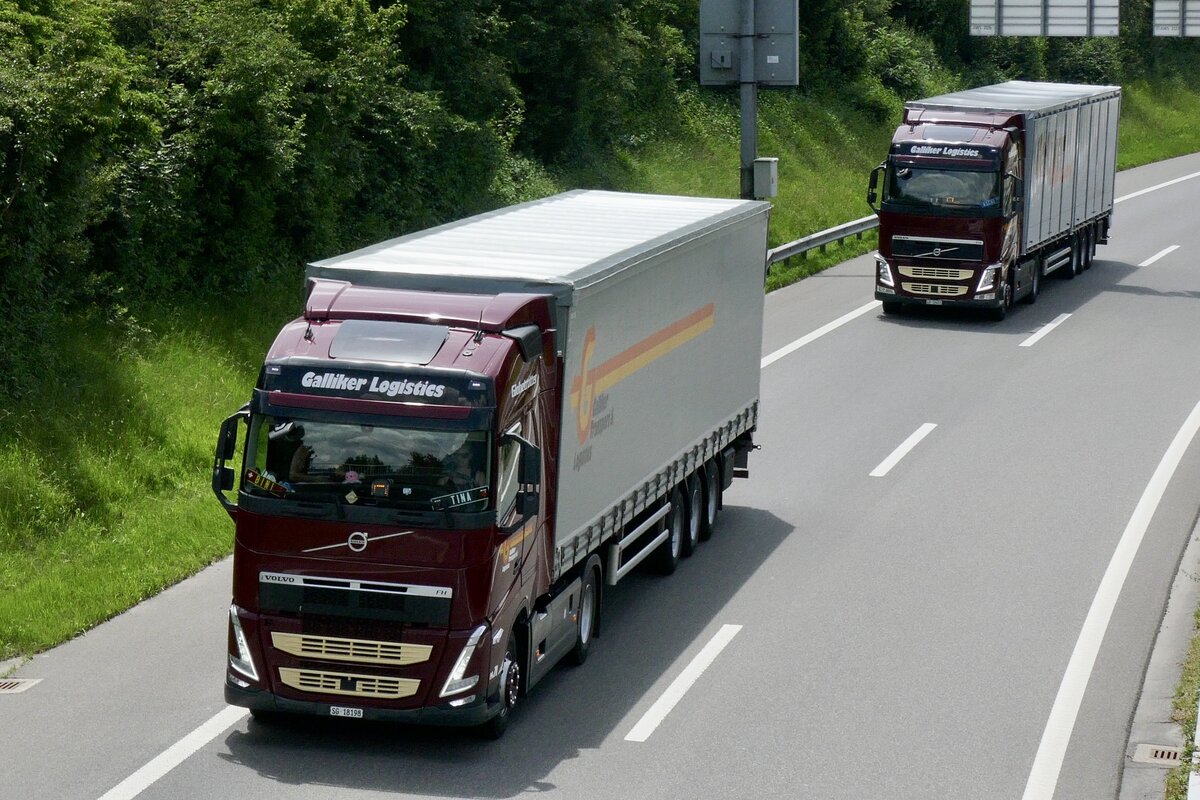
[{"x": 1161, "y": 754}]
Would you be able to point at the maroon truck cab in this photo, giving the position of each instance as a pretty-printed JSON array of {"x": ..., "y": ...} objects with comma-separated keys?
[
  {"x": 391, "y": 505},
  {"x": 948, "y": 215}
]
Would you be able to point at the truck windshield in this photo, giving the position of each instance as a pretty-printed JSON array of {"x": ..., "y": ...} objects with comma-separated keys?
[
  {"x": 942, "y": 188},
  {"x": 374, "y": 465}
]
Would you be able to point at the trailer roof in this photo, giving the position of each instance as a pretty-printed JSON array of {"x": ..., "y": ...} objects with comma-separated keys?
[
  {"x": 569, "y": 240},
  {"x": 1024, "y": 97}
]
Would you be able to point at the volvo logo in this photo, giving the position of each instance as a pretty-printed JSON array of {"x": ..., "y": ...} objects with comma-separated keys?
[{"x": 357, "y": 541}]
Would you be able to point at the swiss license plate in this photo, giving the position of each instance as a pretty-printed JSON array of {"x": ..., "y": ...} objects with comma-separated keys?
[
  {"x": 933, "y": 302},
  {"x": 343, "y": 711}
]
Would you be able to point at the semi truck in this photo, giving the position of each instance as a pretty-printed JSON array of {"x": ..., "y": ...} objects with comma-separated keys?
[
  {"x": 470, "y": 434},
  {"x": 988, "y": 190}
]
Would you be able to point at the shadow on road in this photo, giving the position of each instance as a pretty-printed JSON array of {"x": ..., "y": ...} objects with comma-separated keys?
[{"x": 649, "y": 622}]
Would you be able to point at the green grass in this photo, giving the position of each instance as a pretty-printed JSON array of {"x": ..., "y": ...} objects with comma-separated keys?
[{"x": 104, "y": 469}]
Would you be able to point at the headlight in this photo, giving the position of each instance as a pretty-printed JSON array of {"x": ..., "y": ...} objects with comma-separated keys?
[
  {"x": 883, "y": 271},
  {"x": 243, "y": 662},
  {"x": 988, "y": 279},
  {"x": 456, "y": 682}
]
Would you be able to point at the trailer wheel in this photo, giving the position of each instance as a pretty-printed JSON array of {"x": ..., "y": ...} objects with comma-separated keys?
[
  {"x": 666, "y": 558},
  {"x": 589, "y": 613},
  {"x": 1036, "y": 282},
  {"x": 712, "y": 500},
  {"x": 695, "y": 508},
  {"x": 1073, "y": 266},
  {"x": 510, "y": 692}
]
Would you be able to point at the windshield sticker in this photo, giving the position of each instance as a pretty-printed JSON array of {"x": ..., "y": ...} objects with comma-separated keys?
[
  {"x": 351, "y": 497},
  {"x": 456, "y": 499},
  {"x": 265, "y": 481}
]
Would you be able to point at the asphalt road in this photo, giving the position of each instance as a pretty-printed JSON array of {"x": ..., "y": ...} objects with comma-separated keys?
[{"x": 902, "y": 635}]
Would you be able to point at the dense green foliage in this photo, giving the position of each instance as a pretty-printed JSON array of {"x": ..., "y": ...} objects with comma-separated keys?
[{"x": 167, "y": 165}]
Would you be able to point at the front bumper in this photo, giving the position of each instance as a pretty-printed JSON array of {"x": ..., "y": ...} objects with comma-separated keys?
[
  {"x": 476, "y": 712},
  {"x": 951, "y": 302}
]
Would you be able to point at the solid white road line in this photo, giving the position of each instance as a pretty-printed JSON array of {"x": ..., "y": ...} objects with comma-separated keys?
[
  {"x": 1156, "y": 187},
  {"x": 175, "y": 755},
  {"x": 1166, "y": 251},
  {"x": 818, "y": 333},
  {"x": 1047, "y": 764},
  {"x": 1032, "y": 340},
  {"x": 675, "y": 692},
  {"x": 900, "y": 452}
]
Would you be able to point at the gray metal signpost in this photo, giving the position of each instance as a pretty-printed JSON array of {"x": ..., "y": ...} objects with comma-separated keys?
[{"x": 749, "y": 43}]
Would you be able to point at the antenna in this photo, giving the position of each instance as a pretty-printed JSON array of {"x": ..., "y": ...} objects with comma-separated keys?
[{"x": 479, "y": 330}]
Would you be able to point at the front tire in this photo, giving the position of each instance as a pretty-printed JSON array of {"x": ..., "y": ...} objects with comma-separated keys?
[
  {"x": 892, "y": 307},
  {"x": 510, "y": 692}
]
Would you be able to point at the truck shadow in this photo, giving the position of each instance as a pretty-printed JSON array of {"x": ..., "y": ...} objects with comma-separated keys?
[
  {"x": 649, "y": 622},
  {"x": 1057, "y": 296}
]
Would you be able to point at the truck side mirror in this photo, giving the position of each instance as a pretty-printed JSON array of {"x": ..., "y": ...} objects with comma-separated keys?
[
  {"x": 223, "y": 477},
  {"x": 872, "y": 186},
  {"x": 530, "y": 468}
]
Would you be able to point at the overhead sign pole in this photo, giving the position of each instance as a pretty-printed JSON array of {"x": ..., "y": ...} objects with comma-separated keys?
[
  {"x": 749, "y": 43},
  {"x": 749, "y": 99}
]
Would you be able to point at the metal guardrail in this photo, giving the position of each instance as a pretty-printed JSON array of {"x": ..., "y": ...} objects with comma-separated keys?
[{"x": 822, "y": 238}]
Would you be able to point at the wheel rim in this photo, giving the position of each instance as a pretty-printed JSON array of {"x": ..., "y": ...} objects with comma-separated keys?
[
  {"x": 710, "y": 504},
  {"x": 676, "y": 530},
  {"x": 512, "y": 682},
  {"x": 694, "y": 516},
  {"x": 587, "y": 606}
]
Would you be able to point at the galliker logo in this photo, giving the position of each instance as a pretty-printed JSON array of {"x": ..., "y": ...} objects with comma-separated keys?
[
  {"x": 944, "y": 151},
  {"x": 589, "y": 390},
  {"x": 341, "y": 382},
  {"x": 521, "y": 386}
]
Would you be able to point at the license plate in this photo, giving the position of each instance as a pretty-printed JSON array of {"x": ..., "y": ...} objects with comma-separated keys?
[
  {"x": 933, "y": 302},
  {"x": 343, "y": 711}
]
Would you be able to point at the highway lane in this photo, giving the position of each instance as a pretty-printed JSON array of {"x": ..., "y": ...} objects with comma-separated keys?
[{"x": 902, "y": 636}]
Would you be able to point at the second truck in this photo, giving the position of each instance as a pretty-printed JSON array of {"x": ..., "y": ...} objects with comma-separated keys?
[
  {"x": 986, "y": 191},
  {"x": 469, "y": 433}
]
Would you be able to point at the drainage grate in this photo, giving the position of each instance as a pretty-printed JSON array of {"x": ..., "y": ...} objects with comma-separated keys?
[
  {"x": 16, "y": 685},
  {"x": 1161, "y": 754}
]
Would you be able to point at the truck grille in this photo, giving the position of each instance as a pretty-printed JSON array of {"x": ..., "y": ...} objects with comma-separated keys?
[
  {"x": 346, "y": 684},
  {"x": 936, "y": 273},
  {"x": 929, "y": 247},
  {"x": 934, "y": 289},
  {"x": 361, "y": 651}
]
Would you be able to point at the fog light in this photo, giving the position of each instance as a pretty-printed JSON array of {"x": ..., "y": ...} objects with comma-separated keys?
[
  {"x": 883, "y": 271},
  {"x": 456, "y": 682},
  {"x": 243, "y": 662}
]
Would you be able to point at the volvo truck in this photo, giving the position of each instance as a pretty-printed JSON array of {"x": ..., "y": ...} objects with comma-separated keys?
[
  {"x": 469, "y": 435},
  {"x": 986, "y": 191}
]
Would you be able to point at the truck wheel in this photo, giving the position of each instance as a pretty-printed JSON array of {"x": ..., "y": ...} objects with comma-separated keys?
[
  {"x": 1073, "y": 267},
  {"x": 1036, "y": 286},
  {"x": 589, "y": 615},
  {"x": 510, "y": 692},
  {"x": 712, "y": 500},
  {"x": 892, "y": 307},
  {"x": 666, "y": 559},
  {"x": 695, "y": 508},
  {"x": 998, "y": 314}
]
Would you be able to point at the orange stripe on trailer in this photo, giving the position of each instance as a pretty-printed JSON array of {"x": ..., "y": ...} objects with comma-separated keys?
[{"x": 608, "y": 374}]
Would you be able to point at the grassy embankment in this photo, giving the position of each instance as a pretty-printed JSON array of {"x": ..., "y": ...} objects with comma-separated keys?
[{"x": 104, "y": 469}]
